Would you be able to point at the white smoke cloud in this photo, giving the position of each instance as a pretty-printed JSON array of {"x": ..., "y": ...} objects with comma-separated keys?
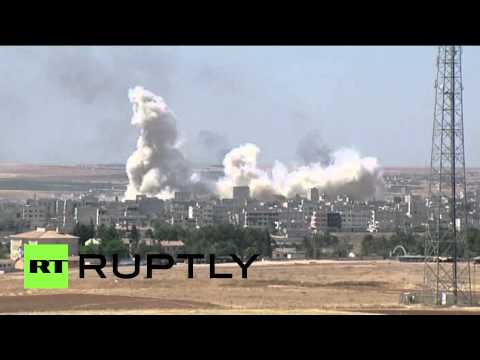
[
  {"x": 158, "y": 167},
  {"x": 348, "y": 173}
]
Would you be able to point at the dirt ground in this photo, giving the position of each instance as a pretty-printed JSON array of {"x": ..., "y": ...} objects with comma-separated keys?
[
  {"x": 19, "y": 182},
  {"x": 320, "y": 287}
]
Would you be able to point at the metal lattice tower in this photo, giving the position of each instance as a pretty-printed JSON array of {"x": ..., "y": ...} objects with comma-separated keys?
[{"x": 447, "y": 264}]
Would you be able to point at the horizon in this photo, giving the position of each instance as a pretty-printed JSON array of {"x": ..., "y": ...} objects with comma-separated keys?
[{"x": 194, "y": 164}]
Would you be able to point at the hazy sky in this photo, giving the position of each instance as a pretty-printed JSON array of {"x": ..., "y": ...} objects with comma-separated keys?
[{"x": 70, "y": 104}]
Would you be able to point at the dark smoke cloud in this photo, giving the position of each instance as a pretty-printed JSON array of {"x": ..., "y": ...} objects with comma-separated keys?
[
  {"x": 310, "y": 149},
  {"x": 368, "y": 186},
  {"x": 214, "y": 145},
  {"x": 93, "y": 75},
  {"x": 73, "y": 98}
]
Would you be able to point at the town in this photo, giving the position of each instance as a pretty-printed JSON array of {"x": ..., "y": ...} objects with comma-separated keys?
[
  {"x": 312, "y": 226},
  {"x": 331, "y": 196}
]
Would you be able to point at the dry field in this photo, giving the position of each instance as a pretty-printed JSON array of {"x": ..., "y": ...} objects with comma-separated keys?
[
  {"x": 19, "y": 182},
  {"x": 32, "y": 171},
  {"x": 321, "y": 287}
]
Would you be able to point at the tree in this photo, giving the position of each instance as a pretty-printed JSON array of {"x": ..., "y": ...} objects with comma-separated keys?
[
  {"x": 250, "y": 251},
  {"x": 89, "y": 249},
  {"x": 91, "y": 229},
  {"x": 372, "y": 246},
  {"x": 4, "y": 251},
  {"x": 222, "y": 240},
  {"x": 307, "y": 245},
  {"x": 113, "y": 247},
  {"x": 163, "y": 231},
  {"x": 10, "y": 219},
  {"x": 110, "y": 234},
  {"x": 111, "y": 242},
  {"x": 414, "y": 244},
  {"x": 101, "y": 231},
  {"x": 134, "y": 238},
  {"x": 149, "y": 233},
  {"x": 473, "y": 242},
  {"x": 84, "y": 232},
  {"x": 321, "y": 244},
  {"x": 342, "y": 249},
  {"x": 144, "y": 249}
]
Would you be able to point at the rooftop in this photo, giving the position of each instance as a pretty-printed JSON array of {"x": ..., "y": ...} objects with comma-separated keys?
[
  {"x": 172, "y": 243},
  {"x": 43, "y": 234}
]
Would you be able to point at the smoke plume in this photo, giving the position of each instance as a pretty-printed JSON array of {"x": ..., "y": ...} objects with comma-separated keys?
[
  {"x": 215, "y": 145},
  {"x": 311, "y": 150},
  {"x": 157, "y": 167},
  {"x": 347, "y": 173}
]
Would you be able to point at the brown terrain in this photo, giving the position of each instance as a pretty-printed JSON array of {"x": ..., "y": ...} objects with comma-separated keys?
[
  {"x": 303, "y": 287},
  {"x": 20, "y": 170},
  {"x": 320, "y": 287},
  {"x": 24, "y": 181}
]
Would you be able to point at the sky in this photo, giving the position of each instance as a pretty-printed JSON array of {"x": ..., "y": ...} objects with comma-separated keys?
[{"x": 70, "y": 105}]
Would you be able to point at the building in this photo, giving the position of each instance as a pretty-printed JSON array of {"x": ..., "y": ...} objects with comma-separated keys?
[
  {"x": 172, "y": 247},
  {"x": 110, "y": 214},
  {"x": 262, "y": 218},
  {"x": 39, "y": 212},
  {"x": 355, "y": 218},
  {"x": 66, "y": 214},
  {"x": 241, "y": 193},
  {"x": 202, "y": 213},
  {"x": 314, "y": 194},
  {"x": 287, "y": 239},
  {"x": 417, "y": 211},
  {"x": 183, "y": 196},
  {"x": 86, "y": 215},
  {"x": 178, "y": 212},
  {"x": 334, "y": 220},
  {"x": 88, "y": 200},
  {"x": 149, "y": 205},
  {"x": 6, "y": 265},
  {"x": 221, "y": 214},
  {"x": 132, "y": 217},
  {"x": 41, "y": 236},
  {"x": 319, "y": 220},
  {"x": 287, "y": 253},
  {"x": 292, "y": 219},
  {"x": 373, "y": 224},
  {"x": 35, "y": 214}
]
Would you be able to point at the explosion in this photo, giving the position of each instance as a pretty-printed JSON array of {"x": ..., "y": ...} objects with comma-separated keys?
[
  {"x": 158, "y": 167},
  {"x": 347, "y": 173}
]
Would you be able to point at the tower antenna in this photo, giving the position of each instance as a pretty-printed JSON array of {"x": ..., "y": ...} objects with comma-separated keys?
[{"x": 447, "y": 262}]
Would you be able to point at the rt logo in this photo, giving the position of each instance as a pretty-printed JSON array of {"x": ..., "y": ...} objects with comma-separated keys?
[{"x": 45, "y": 266}]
